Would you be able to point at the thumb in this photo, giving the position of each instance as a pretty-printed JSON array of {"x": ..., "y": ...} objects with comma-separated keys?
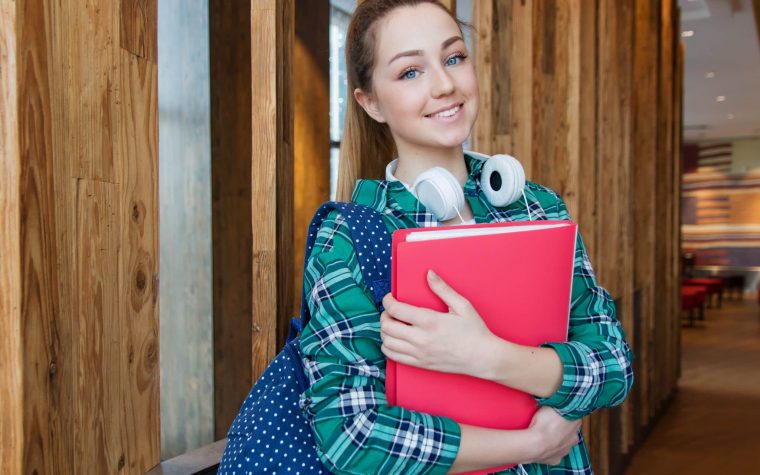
[{"x": 449, "y": 296}]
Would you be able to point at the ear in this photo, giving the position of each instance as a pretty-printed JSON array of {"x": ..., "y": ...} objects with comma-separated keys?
[{"x": 369, "y": 104}]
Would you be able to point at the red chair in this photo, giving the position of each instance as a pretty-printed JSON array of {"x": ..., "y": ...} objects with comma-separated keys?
[
  {"x": 714, "y": 287},
  {"x": 693, "y": 296}
]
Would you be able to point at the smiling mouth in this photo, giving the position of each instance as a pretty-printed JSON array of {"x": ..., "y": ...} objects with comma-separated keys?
[{"x": 446, "y": 113}]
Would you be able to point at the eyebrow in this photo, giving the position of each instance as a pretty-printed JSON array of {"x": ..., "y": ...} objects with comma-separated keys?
[{"x": 418, "y": 52}]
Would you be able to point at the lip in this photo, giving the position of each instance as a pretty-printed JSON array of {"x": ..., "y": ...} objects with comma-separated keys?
[{"x": 450, "y": 106}]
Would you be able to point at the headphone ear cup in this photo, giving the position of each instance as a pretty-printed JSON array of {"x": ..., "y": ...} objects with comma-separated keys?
[
  {"x": 502, "y": 179},
  {"x": 440, "y": 192}
]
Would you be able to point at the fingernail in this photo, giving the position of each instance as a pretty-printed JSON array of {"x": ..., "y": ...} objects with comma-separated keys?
[{"x": 432, "y": 275}]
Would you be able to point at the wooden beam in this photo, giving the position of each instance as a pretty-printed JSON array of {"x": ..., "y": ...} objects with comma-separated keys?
[
  {"x": 86, "y": 116},
  {"x": 645, "y": 76},
  {"x": 311, "y": 83},
  {"x": 232, "y": 243},
  {"x": 272, "y": 34}
]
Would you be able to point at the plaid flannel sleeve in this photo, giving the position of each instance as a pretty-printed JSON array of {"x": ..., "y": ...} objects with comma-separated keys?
[
  {"x": 596, "y": 358},
  {"x": 354, "y": 429}
]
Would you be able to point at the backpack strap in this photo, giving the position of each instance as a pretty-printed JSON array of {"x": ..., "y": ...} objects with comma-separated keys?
[{"x": 373, "y": 249}]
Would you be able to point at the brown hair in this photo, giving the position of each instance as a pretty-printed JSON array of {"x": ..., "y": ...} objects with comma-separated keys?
[{"x": 367, "y": 145}]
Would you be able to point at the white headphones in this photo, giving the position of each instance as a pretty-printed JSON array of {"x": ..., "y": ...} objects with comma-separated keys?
[{"x": 502, "y": 179}]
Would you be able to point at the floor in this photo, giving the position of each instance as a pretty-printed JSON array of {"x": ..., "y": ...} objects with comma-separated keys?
[{"x": 713, "y": 423}]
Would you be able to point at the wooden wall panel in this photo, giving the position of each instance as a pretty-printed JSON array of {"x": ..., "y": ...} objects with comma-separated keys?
[
  {"x": 576, "y": 91},
  {"x": 664, "y": 198},
  {"x": 232, "y": 239},
  {"x": 85, "y": 112},
  {"x": 645, "y": 76},
  {"x": 272, "y": 34},
  {"x": 11, "y": 290},
  {"x": 311, "y": 83}
]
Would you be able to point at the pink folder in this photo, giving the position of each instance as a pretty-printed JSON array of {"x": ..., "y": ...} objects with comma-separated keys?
[{"x": 519, "y": 282}]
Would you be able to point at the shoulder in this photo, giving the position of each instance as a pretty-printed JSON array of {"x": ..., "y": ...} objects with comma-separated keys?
[
  {"x": 551, "y": 201},
  {"x": 333, "y": 237}
]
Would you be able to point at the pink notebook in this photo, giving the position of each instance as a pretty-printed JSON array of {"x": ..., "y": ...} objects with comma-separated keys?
[{"x": 518, "y": 276}]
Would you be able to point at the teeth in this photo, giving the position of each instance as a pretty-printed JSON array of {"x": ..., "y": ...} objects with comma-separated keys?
[{"x": 448, "y": 113}]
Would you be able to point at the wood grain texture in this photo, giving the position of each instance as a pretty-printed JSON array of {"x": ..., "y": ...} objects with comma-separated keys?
[
  {"x": 232, "y": 240},
  {"x": 11, "y": 356},
  {"x": 272, "y": 33},
  {"x": 135, "y": 28},
  {"x": 664, "y": 196},
  {"x": 311, "y": 93},
  {"x": 645, "y": 76},
  {"x": 88, "y": 241},
  {"x": 614, "y": 267}
]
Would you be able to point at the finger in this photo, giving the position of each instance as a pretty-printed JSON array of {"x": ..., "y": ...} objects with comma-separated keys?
[
  {"x": 410, "y": 314},
  {"x": 388, "y": 299},
  {"x": 399, "y": 346},
  {"x": 398, "y": 357},
  {"x": 450, "y": 297},
  {"x": 397, "y": 329}
]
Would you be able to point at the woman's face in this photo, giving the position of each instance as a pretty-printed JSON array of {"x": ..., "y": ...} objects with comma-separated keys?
[{"x": 424, "y": 84}]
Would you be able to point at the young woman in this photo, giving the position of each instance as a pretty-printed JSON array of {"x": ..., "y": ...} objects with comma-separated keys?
[{"x": 415, "y": 98}]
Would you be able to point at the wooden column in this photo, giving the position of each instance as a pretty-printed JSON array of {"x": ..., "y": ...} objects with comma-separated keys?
[
  {"x": 79, "y": 111},
  {"x": 644, "y": 172},
  {"x": 311, "y": 83},
  {"x": 272, "y": 35},
  {"x": 232, "y": 238},
  {"x": 663, "y": 217}
]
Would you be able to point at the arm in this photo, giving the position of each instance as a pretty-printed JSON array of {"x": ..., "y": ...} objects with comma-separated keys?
[
  {"x": 354, "y": 429},
  {"x": 596, "y": 359},
  {"x": 591, "y": 370}
]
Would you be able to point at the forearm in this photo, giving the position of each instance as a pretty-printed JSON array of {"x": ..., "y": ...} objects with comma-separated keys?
[
  {"x": 482, "y": 448},
  {"x": 536, "y": 371}
]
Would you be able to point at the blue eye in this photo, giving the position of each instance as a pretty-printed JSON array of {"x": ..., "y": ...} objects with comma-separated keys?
[
  {"x": 457, "y": 59},
  {"x": 406, "y": 74}
]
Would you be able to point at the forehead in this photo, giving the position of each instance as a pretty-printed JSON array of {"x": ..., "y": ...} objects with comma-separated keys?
[{"x": 423, "y": 26}]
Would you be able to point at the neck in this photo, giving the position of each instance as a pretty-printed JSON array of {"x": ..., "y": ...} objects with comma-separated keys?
[{"x": 413, "y": 162}]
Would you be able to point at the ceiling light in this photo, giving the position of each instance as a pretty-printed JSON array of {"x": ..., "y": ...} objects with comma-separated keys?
[
  {"x": 687, "y": 33},
  {"x": 720, "y": 98},
  {"x": 710, "y": 74}
]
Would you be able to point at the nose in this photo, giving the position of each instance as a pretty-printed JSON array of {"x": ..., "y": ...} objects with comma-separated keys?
[{"x": 442, "y": 83}]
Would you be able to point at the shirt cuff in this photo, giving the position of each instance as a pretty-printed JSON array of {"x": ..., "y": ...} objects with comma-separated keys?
[
  {"x": 450, "y": 446},
  {"x": 575, "y": 382}
]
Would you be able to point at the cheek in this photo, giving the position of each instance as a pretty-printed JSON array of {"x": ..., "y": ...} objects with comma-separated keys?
[{"x": 404, "y": 103}]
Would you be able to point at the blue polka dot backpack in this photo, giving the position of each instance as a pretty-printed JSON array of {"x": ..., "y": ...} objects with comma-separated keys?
[{"x": 269, "y": 434}]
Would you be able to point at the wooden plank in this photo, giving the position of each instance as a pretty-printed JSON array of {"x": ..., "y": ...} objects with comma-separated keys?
[
  {"x": 11, "y": 292},
  {"x": 272, "y": 32},
  {"x": 614, "y": 268},
  {"x": 678, "y": 59},
  {"x": 136, "y": 28},
  {"x": 203, "y": 460},
  {"x": 482, "y": 45},
  {"x": 44, "y": 243},
  {"x": 231, "y": 151},
  {"x": 311, "y": 83},
  {"x": 644, "y": 187},
  {"x": 137, "y": 139},
  {"x": 87, "y": 132},
  {"x": 664, "y": 197},
  {"x": 97, "y": 407}
]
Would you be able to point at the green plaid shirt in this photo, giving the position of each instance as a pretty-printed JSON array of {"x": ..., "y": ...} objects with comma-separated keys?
[{"x": 354, "y": 428}]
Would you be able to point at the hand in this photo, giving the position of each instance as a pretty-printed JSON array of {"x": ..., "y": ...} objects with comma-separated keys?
[
  {"x": 556, "y": 435},
  {"x": 453, "y": 342}
]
